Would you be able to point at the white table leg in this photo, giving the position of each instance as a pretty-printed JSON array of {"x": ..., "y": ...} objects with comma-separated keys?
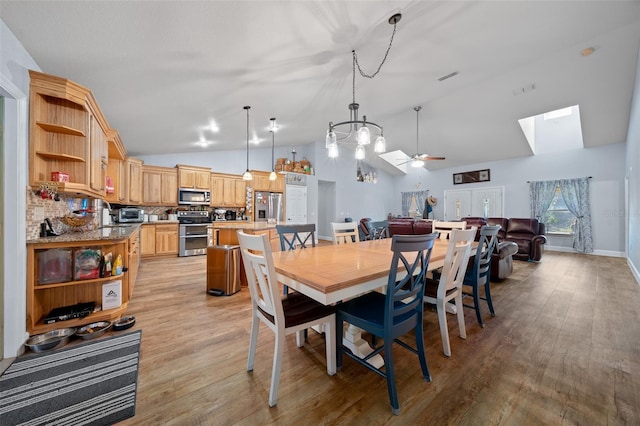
[{"x": 359, "y": 347}]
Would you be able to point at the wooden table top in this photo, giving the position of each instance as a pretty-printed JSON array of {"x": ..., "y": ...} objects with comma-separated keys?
[{"x": 332, "y": 273}]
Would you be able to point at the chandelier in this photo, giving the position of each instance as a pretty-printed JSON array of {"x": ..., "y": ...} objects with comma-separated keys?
[{"x": 355, "y": 126}]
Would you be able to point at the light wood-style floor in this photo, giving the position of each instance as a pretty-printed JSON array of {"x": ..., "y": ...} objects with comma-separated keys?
[{"x": 564, "y": 348}]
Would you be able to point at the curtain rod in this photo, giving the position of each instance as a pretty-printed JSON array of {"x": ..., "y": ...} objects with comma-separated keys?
[{"x": 529, "y": 181}]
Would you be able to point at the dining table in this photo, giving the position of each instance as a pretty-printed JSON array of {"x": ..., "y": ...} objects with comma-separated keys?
[{"x": 333, "y": 273}]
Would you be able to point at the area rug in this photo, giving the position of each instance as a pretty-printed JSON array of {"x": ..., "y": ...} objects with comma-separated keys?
[{"x": 89, "y": 384}]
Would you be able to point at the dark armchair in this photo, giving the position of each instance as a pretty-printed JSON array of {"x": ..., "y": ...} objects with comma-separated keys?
[{"x": 528, "y": 234}]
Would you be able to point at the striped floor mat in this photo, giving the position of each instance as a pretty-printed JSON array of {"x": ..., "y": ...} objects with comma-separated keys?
[{"x": 89, "y": 384}]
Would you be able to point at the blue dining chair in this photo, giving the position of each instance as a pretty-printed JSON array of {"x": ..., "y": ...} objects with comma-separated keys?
[
  {"x": 394, "y": 313},
  {"x": 296, "y": 236},
  {"x": 478, "y": 275}
]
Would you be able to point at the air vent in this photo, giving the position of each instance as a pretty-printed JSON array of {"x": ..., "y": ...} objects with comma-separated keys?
[
  {"x": 526, "y": 89},
  {"x": 453, "y": 74}
]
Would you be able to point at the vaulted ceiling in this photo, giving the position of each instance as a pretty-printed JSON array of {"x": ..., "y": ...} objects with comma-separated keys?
[{"x": 162, "y": 70}]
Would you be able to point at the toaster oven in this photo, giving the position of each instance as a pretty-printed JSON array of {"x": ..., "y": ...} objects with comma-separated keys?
[{"x": 130, "y": 215}]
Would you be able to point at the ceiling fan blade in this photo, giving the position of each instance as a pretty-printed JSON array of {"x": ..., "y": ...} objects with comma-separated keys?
[
  {"x": 435, "y": 158},
  {"x": 404, "y": 162}
]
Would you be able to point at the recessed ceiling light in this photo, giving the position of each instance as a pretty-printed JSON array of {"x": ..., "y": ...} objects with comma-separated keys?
[{"x": 587, "y": 51}]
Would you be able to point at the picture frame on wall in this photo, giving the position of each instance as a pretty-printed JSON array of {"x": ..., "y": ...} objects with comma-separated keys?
[{"x": 472, "y": 177}]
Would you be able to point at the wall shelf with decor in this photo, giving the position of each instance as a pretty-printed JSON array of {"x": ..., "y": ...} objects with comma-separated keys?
[{"x": 366, "y": 173}]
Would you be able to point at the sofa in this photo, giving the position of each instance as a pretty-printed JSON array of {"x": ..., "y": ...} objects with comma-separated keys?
[
  {"x": 501, "y": 260},
  {"x": 528, "y": 234}
]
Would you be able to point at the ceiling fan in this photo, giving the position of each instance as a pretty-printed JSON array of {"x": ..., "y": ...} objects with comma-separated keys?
[{"x": 417, "y": 159}]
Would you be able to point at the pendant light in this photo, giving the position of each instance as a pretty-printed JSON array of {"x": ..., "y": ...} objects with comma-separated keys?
[
  {"x": 362, "y": 133},
  {"x": 247, "y": 174},
  {"x": 272, "y": 175}
]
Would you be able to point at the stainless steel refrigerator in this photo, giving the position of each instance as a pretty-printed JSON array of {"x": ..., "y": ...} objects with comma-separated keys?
[{"x": 268, "y": 206}]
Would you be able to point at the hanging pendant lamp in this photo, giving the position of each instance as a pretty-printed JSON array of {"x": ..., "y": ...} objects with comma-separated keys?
[
  {"x": 272, "y": 175},
  {"x": 247, "y": 174}
]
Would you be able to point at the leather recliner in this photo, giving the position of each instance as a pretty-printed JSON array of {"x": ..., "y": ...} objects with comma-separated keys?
[{"x": 528, "y": 234}]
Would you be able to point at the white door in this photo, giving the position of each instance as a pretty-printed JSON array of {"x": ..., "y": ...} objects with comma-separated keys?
[
  {"x": 457, "y": 204},
  {"x": 296, "y": 204},
  {"x": 487, "y": 202}
]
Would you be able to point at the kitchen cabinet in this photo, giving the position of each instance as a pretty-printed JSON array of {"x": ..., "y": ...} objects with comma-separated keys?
[
  {"x": 148, "y": 240},
  {"x": 227, "y": 190},
  {"x": 53, "y": 282},
  {"x": 217, "y": 190},
  {"x": 116, "y": 169},
  {"x": 134, "y": 180},
  {"x": 67, "y": 133},
  {"x": 261, "y": 182},
  {"x": 194, "y": 177},
  {"x": 167, "y": 239},
  {"x": 134, "y": 260},
  {"x": 159, "y": 239},
  {"x": 159, "y": 186}
]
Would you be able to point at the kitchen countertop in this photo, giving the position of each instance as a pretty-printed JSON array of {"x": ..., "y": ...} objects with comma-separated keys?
[
  {"x": 160, "y": 222},
  {"x": 112, "y": 232},
  {"x": 243, "y": 224}
]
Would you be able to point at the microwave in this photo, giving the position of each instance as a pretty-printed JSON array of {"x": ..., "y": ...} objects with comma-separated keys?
[
  {"x": 130, "y": 214},
  {"x": 194, "y": 196}
]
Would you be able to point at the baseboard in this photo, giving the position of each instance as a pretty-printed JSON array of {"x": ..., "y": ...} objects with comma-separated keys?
[
  {"x": 609, "y": 253},
  {"x": 634, "y": 271}
]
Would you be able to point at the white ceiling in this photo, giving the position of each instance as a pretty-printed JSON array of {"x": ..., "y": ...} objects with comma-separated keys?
[{"x": 161, "y": 70}]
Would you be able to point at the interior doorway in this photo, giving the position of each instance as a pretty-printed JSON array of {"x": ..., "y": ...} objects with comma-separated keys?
[
  {"x": 326, "y": 208},
  {"x": 2, "y": 268}
]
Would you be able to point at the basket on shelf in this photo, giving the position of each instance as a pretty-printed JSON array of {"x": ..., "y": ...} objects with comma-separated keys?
[{"x": 72, "y": 223}]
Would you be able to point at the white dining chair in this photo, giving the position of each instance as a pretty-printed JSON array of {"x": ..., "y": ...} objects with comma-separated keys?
[
  {"x": 445, "y": 228},
  {"x": 284, "y": 315},
  {"x": 449, "y": 286},
  {"x": 345, "y": 232}
]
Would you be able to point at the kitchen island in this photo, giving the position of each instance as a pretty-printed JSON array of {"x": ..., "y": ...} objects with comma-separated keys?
[
  {"x": 61, "y": 271},
  {"x": 228, "y": 231}
]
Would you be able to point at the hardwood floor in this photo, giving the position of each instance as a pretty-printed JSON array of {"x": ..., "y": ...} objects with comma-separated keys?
[{"x": 564, "y": 348}]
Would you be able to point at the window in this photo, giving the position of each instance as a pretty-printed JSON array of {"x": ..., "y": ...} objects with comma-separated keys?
[{"x": 558, "y": 219}]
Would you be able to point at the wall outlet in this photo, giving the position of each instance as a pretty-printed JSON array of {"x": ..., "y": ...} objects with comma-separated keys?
[{"x": 38, "y": 214}]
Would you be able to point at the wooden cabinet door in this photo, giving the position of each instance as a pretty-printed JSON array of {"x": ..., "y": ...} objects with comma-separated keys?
[
  {"x": 278, "y": 184},
  {"x": 202, "y": 180},
  {"x": 134, "y": 178},
  {"x": 169, "y": 188},
  {"x": 187, "y": 178},
  {"x": 117, "y": 173},
  {"x": 260, "y": 181},
  {"x": 151, "y": 186},
  {"x": 217, "y": 191},
  {"x": 229, "y": 195},
  {"x": 98, "y": 147},
  {"x": 167, "y": 239},
  {"x": 241, "y": 193},
  {"x": 134, "y": 260},
  {"x": 148, "y": 240}
]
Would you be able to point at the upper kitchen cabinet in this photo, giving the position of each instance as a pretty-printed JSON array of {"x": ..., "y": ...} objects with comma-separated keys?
[
  {"x": 261, "y": 182},
  {"x": 227, "y": 190},
  {"x": 159, "y": 186},
  {"x": 68, "y": 134},
  {"x": 134, "y": 180},
  {"x": 117, "y": 189},
  {"x": 194, "y": 177}
]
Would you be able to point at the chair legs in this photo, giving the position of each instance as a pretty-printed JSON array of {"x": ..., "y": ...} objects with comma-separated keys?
[
  {"x": 487, "y": 295},
  {"x": 477, "y": 298},
  {"x": 391, "y": 378},
  {"x": 278, "y": 352},
  {"x": 442, "y": 319},
  {"x": 253, "y": 341}
]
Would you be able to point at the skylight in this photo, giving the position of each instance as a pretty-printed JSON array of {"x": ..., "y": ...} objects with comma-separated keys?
[{"x": 553, "y": 131}]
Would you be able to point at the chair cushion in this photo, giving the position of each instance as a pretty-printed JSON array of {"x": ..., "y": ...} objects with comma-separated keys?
[
  {"x": 299, "y": 309},
  {"x": 431, "y": 288}
]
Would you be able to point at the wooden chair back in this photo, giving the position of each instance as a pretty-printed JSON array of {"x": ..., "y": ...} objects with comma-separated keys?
[
  {"x": 445, "y": 228},
  {"x": 296, "y": 236},
  {"x": 345, "y": 232}
]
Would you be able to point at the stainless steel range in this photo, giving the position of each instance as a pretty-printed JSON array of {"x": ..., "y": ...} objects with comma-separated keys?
[{"x": 196, "y": 233}]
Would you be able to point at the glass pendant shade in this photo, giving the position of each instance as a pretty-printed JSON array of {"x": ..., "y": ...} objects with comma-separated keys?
[
  {"x": 272, "y": 176},
  {"x": 417, "y": 163},
  {"x": 331, "y": 139},
  {"x": 360, "y": 152},
  {"x": 333, "y": 150},
  {"x": 247, "y": 175},
  {"x": 380, "y": 145},
  {"x": 364, "y": 138}
]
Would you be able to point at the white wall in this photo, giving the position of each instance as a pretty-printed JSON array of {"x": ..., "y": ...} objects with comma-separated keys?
[
  {"x": 15, "y": 62},
  {"x": 632, "y": 171},
  {"x": 605, "y": 164}
]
